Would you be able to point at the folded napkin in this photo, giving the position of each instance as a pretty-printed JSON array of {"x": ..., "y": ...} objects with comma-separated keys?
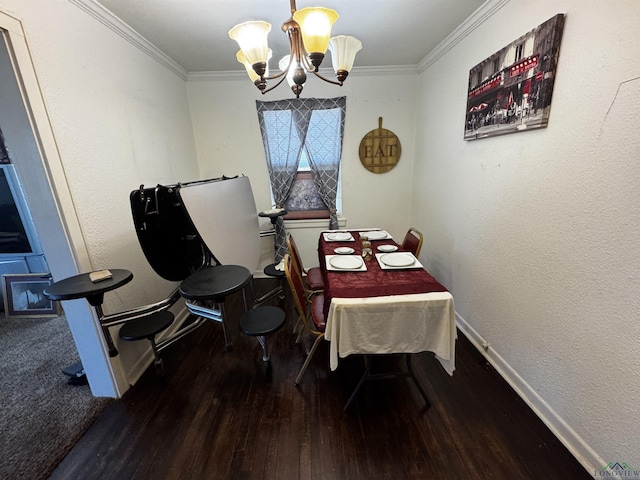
[{"x": 273, "y": 211}]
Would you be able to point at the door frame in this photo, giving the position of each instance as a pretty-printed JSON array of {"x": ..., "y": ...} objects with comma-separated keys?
[{"x": 51, "y": 203}]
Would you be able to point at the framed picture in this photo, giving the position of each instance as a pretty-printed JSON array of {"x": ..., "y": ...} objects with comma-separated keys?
[
  {"x": 4, "y": 155},
  {"x": 24, "y": 296},
  {"x": 510, "y": 91}
]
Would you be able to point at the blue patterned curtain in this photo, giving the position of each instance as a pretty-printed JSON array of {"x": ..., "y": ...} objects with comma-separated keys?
[
  {"x": 288, "y": 126},
  {"x": 323, "y": 144}
]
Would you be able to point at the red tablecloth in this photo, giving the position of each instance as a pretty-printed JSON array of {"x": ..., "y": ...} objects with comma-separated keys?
[{"x": 375, "y": 282}]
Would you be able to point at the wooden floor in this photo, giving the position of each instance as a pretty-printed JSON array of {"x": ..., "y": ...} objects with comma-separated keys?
[{"x": 222, "y": 415}]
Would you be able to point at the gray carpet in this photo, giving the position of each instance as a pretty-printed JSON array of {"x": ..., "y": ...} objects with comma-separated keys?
[{"x": 41, "y": 415}]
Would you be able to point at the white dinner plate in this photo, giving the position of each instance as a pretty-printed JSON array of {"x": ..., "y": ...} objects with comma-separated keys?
[
  {"x": 344, "y": 250},
  {"x": 375, "y": 235},
  {"x": 346, "y": 263},
  {"x": 387, "y": 248},
  {"x": 339, "y": 236},
  {"x": 398, "y": 259}
]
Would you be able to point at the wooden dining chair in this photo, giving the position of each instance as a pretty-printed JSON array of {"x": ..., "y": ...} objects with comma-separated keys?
[
  {"x": 412, "y": 241},
  {"x": 312, "y": 277},
  {"x": 310, "y": 311}
]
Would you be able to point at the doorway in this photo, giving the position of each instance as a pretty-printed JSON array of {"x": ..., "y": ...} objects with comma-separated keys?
[{"x": 38, "y": 168}]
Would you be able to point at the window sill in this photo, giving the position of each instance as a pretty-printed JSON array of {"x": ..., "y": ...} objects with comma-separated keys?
[
  {"x": 307, "y": 215},
  {"x": 313, "y": 223}
]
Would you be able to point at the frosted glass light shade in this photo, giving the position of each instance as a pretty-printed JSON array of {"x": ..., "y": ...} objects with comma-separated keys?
[
  {"x": 252, "y": 39},
  {"x": 283, "y": 64},
  {"x": 315, "y": 26},
  {"x": 343, "y": 52},
  {"x": 250, "y": 71}
]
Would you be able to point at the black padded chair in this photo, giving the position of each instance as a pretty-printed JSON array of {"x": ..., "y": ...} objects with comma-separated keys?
[{"x": 148, "y": 326}]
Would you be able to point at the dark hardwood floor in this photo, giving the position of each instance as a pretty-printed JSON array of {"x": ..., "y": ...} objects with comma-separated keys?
[{"x": 222, "y": 415}]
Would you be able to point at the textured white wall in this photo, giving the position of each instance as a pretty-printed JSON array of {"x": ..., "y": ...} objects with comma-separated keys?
[
  {"x": 120, "y": 119},
  {"x": 536, "y": 233},
  {"x": 228, "y": 141}
]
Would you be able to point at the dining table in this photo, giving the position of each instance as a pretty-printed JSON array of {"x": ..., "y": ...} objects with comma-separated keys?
[{"x": 386, "y": 303}]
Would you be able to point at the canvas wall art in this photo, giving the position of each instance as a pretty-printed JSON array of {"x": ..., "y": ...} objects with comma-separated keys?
[{"x": 511, "y": 90}]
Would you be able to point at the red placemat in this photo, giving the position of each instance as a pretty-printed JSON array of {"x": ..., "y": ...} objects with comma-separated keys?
[{"x": 375, "y": 282}]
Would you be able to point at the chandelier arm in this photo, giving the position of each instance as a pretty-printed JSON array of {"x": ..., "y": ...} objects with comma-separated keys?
[
  {"x": 282, "y": 77},
  {"x": 296, "y": 46},
  {"x": 328, "y": 80},
  {"x": 278, "y": 75}
]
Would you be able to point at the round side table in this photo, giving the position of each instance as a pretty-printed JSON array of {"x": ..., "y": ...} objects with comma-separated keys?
[{"x": 81, "y": 286}]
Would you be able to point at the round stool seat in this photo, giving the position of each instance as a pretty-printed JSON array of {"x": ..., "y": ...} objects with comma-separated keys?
[
  {"x": 147, "y": 326},
  {"x": 215, "y": 283},
  {"x": 261, "y": 321},
  {"x": 271, "y": 271}
]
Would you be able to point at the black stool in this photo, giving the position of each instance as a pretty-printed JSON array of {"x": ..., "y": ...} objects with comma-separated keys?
[
  {"x": 271, "y": 271},
  {"x": 206, "y": 289},
  {"x": 262, "y": 321},
  {"x": 148, "y": 327}
]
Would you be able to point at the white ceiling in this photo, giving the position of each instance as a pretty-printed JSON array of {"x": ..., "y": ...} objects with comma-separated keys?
[{"x": 193, "y": 33}]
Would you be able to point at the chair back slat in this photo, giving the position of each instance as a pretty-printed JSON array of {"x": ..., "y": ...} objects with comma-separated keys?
[
  {"x": 295, "y": 253},
  {"x": 412, "y": 241},
  {"x": 296, "y": 284}
]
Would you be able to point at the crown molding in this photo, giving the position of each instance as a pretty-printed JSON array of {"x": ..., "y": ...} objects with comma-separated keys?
[
  {"x": 112, "y": 22},
  {"x": 476, "y": 19},
  {"x": 356, "y": 71},
  {"x": 211, "y": 75}
]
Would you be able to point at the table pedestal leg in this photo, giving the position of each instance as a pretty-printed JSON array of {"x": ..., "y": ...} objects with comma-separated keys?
[{"x": 113, "y": 351}]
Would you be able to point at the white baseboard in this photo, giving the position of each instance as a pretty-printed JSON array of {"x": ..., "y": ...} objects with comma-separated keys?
[{"x": 587, "y": 457}]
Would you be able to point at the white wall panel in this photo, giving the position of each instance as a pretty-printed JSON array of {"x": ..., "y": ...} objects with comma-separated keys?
[{"x": 535, "y": 233}]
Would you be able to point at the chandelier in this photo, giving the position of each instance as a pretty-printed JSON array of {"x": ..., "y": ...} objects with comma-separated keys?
[{"x": 308, "y": 30}]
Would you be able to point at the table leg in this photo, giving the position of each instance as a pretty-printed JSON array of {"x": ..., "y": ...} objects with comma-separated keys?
[
  {"x": 367, "y": 375},
  {"x": 227, "y": 343},
  {"x": 113, "y": 351},
  {"x": 364, "y": 377},
  {"x": 415, "y": 379}
]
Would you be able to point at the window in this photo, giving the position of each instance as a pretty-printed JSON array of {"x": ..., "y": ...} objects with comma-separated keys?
[
  {"x": 309, "y": 135},
  {"x": 304, "y": 200},
  {"x": 303, "y": 145},
  {"x": 519, "y": 50}
]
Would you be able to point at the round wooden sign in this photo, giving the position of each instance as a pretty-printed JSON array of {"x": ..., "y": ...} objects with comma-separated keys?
[{"x": 379, "y": 149}]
